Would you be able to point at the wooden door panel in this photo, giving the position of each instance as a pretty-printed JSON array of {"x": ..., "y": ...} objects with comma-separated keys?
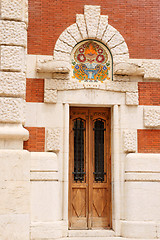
[{"x": 90, "y": 195}]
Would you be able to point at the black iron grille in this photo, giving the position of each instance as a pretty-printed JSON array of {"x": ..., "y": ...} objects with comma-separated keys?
[
  {"x": 79, "y": 131},
  {"x": 99, "y": 150}
]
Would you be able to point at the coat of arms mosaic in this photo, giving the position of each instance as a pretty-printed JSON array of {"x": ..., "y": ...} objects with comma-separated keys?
[{"x": 91, "y": 62}]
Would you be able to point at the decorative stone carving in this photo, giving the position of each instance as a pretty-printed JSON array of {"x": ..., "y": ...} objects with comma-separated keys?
[
  {"x": 53, "y": 140},
  {"x": 13, "y": 33},
  {"x": 130, "y": 140},
  {"x": 122, "y": 86},
  {"x": 125, "y": 68},
  {"x": 11, "y": 58},
  {"x": 50, "y": 65},
  {"x": 103, "y": 24},
  {"x": 81, "y": 25},
  {"x": 50, "y": 96},
  {"x": 92, "y": 14},
  {"x": 152, "y": 117},
  {"x": 12, "y": 84},
  {"x": 132, "y": 98},
  {"x": 11, "y": 110}
]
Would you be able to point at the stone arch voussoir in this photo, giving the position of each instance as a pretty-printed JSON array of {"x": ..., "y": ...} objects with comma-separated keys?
[{"x": 91, "y": 25}]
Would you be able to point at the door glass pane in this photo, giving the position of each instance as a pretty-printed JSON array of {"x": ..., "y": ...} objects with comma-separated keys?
[
  {"x": 99, "y": 150},
  {"x": 79, "y": 131}
]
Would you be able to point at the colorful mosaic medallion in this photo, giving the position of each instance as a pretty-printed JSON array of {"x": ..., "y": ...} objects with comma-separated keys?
[{"x": 91, "y": 62}]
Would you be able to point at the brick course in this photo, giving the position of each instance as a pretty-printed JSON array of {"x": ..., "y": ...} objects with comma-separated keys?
[
  {"x": 137, "y": 21},
  {"x": 36, "y": 142},
  {"x": 149, "y": 93},
  {"x": 148, "y": 140},
  {"x": 34, "y": 90}
]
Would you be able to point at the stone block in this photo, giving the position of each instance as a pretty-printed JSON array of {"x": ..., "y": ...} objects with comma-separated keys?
[
  {"x": 45, "y": 201},
  {"x": 152, "y": 68},
  {"x": 141, "y": 201},
  {"x": 14, "y": 165},
  {"x": 109, "y": 33},
  {"x": 44, "y": 161},
  {"x": 121, "y": 58},
  {"x": 120, "y": 49},
  {"x": 142, "y": 162},
  {"x": 130, "y": 140},
  {"x": 132, "y": 98},
  {"x": 12, "y": 84},
  {"x": 44, "y": 176},
  {"x": 13, "y": 132},
  {"x": 15, "y": 197},
  {"x": 74, "y": 31},
  {"x": 53, "y": 140},
  {"x": 14, "y": 226},
  {"x": 81, "y": 25},
  {"x": 67, "y": 38},
  {"x": 11, "y": 110},
  {"x": 62, "y": 47},
  {"x": 13, "y": 33},
  {"x": 14, "y": 10},
  {"x": 12, "y": 58},
  {"x": 48, "y": 230},
  {"x": 152, "y": 117},
  {"x": 103, "y": 24},
  {"x": 92, "y": 15},
  {"x": 138, "y": 229},
  {"x": 61, "y": 56},
  {"x": 116, "y": 40},
  {"x": 129, "y": 69},
  {"x": 50, "y": 96},
  {"x": 51, "y": 66},
  {"x": 122, "y": 86}
]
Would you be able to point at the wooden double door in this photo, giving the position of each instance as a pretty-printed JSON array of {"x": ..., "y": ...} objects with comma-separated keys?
[{"x": 90, "y": 169}]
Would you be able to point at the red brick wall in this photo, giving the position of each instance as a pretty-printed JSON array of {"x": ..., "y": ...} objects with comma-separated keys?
[
  {"x": 149, "y": 93},
  {"x": 138, "y": 22},
  {"x": 34, "y": 90},
  {"x": 36, "y": 142},
  {"x": 148, "y": 141}
]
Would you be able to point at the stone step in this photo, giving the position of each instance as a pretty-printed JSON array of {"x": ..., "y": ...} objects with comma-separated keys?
[{"x": 91, "y": 233}]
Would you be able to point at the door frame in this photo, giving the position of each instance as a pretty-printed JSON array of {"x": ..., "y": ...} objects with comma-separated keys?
[
  {"x": 90, "y": 114},
  {"x": 115, "y": 162}
]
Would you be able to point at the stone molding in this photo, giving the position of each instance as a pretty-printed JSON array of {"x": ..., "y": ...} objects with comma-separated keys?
[
  {"x": 142, "y": 167},
  {"x": 53, "y": 139},
  {"x": 44, "y": 167},
  {"x": 130, "y": 140},
  {"x": 142, "y": 177},
  {"x": 152, "y": 117},
  {"x": 126, "y": 68},
  {"x": 49, "y": 65},
  {"x": 11, "y": 131},
  {"x": 52, "y": 86}
]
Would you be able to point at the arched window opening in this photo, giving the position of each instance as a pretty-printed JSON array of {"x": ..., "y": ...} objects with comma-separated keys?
[{"x": 91, "y": 62}]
